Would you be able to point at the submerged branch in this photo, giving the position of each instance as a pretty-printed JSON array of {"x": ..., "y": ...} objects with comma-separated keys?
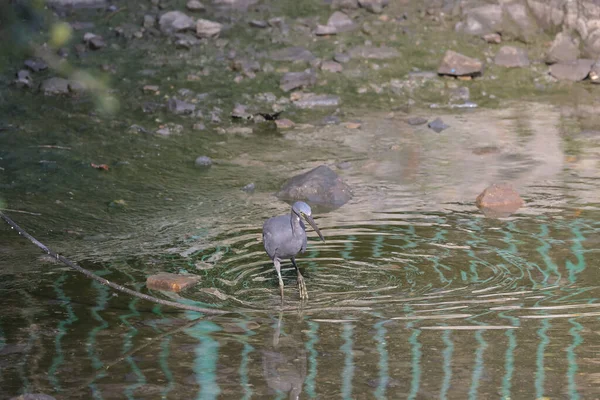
[{"x": 103, "y": 281}]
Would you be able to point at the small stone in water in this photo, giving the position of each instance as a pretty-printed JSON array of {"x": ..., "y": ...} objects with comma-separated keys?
[
  {"x": 203, "y": 161},
  {"x": 171, "y": 282},
  {"x": 438, "y": 125}
]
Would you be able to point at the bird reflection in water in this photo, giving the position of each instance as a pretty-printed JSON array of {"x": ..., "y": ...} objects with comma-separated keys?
[{"x": 285, "y": 365}]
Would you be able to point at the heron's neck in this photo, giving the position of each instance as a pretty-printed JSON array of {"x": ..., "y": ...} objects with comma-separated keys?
[{"x": 295, "y": 221}]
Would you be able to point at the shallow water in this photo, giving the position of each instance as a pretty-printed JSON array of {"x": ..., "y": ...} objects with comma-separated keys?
[{"x": 414, "y": 294}]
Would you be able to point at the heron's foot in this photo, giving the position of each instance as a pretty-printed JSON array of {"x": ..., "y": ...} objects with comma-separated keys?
[{"x": 302, "y": 288}]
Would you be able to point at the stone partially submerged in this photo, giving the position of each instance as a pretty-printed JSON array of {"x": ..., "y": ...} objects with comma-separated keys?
[
  {"x": 319, "y": 186},
  {"x": 171, "y": 282},
  {"x": 499, "y": 200}
]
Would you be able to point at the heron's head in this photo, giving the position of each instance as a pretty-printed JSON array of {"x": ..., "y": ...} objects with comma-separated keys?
[{"x": 302, "y": 210}]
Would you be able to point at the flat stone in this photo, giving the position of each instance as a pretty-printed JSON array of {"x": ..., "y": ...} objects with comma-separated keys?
[
  {"x": 374, "y": 6},
  {"x": 576, "y": 70},
  {"x": 373, "y": 53},
  {"x": 55, "y": 86},
  {"x": 492, "y": 38},
  {"x": 563, "y": 48},
  {"x": 180, "y": 107},
  {"x": 341, "y": 22},
  {"x": 207, "y": 29},
  {"x": 203, "y": 161},
  {"x": 195, "y": 6},
  {"x": 171, "y": 282},
  {"x": 176, "y": 21},
  {"x": 342, "y": 58},
  {"x": 325, "y": 30},
  {"x": 292, "y": 54},
  {"x": 320, "y": 186},
  {"x": 499, "y": 200},
  {"x": 456, "y": 64},
  {"x": 416, "y": 121},
  {"x": 36, "y": 64},
  {"x": 295, "y": 80},
  {"x": 331, "y": 66},
  {"x": 284, "y": 123},
  {"x": 437, "y": 125},
  {"x": 511, "y": 57},
  {"x": 311, "y": 100}
]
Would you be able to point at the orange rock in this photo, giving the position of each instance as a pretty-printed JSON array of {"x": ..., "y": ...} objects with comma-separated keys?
[
  {"x": 499, "y": 200},
  {"x": 171, "y": 282}
]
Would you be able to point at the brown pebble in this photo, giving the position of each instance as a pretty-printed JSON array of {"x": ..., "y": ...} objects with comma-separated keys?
[
  {"x": 353, "y": 125},
  {"x": 171, "y": 282}
]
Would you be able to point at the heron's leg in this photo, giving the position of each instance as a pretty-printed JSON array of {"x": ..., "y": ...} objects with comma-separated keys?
[
  {"x": 301, "y": 284},
  {"x": 278, "y": 269}
]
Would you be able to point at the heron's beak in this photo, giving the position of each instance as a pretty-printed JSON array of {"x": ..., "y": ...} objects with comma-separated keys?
[{"x": 314, "y": 225}]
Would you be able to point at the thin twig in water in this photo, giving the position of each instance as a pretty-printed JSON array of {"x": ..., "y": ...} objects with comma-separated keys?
[
  {"x": 20, "y": 211},
  {"x": 91, "y": 275}
]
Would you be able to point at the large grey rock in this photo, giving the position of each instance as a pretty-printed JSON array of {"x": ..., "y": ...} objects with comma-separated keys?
[
  {"x": 341, "y": 22},
  {"x": 295, "y": 80},
  {"x": 576, "y": 70},
  {"x": 509, "y": 56},
  {"x": 456, "y": 64},
  {"x": 563, "y": 48},
  {"x": 208, "y": 29},
  {"x": 176, "y": 21},
  {"x": 481, "y": 20},
  {"x": 517, "y": 22},
  {"x": 580, "y": 16},
  {"x": 320, "y": 186}
]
